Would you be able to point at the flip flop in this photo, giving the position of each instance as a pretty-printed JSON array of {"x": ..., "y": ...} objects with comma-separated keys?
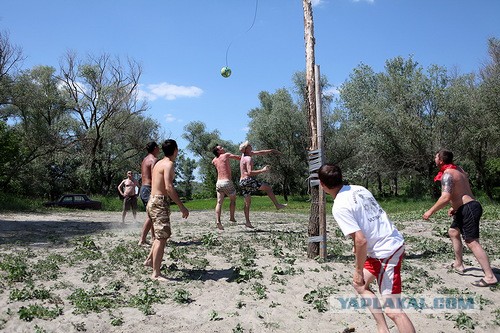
[
  {"x": 482, "y": 283},
  {"x": 453, "y": 268}
]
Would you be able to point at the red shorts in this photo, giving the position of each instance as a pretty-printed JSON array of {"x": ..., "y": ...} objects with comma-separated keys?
[{"x": 387, "y": 271}]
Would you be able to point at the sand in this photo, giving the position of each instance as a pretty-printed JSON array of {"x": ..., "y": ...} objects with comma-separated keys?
[{"x": 280, "y": 289}]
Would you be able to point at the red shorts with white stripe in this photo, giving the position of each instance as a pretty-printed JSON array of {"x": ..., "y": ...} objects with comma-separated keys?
[{"x": 387, "y": 271}]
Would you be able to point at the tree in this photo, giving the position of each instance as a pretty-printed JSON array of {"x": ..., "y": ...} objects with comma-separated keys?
[
  {"x": 185, "y": 173},
  {"x": 279, "y": 124},
  {"x": 102, "y": 94}
]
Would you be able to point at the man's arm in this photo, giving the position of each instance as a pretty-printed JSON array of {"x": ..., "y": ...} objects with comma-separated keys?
[
  {"x": 444, "y": 199},
  {"x": 265, "y": 151},
  {"x": 360, "y": 254},
  {"x": 251, "y": 172},
  {"x": 120, "y": 188},
  {"x": 172, "y": 193},
  {"x": 234, "y": 157}
]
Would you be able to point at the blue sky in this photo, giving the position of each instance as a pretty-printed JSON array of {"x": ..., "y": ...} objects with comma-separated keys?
[{"x": 182, "y": 45}]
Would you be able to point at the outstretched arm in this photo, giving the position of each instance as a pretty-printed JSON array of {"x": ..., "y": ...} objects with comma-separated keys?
[
  {"x": 266, "y": 151},
  {"x": 234, "y": 157}
]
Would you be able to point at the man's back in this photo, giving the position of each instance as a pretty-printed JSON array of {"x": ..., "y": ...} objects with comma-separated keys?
[
  {"x": 461, "y": 192},
  {"x": 222, "y": 165}
]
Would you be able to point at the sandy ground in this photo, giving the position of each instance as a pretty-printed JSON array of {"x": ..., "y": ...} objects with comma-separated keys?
[{"x": 288, "y": 293}]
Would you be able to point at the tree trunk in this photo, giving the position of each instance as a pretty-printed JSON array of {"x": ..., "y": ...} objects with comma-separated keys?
[{"x": 313, "y": 228}]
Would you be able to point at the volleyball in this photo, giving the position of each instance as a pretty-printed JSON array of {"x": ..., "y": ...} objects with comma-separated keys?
[{"x": 225, "y": 71}]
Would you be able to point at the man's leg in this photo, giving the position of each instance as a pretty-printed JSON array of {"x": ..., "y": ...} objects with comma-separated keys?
[
  {"x": 246, "y": 210},
  {"x": 456, "y": 241},
  {"x": 482, "y": 258},
  {"x": 232, "y": 207},
  {"x": 124, "y": 212},
  {"x": 376, "y": 311},
  {"x": 218, "y": 209},
  {"x": 396, "y": 313},
  {"x": 148, "y": 225},
  {"x": 269, "y": 190},
  {"x": 157, "y": 256}
]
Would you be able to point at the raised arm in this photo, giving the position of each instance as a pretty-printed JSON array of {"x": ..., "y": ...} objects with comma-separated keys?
[{"x": 266, "y": 151}]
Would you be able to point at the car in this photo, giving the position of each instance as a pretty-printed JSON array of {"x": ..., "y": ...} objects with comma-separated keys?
[{"x": 79, "y": 201}]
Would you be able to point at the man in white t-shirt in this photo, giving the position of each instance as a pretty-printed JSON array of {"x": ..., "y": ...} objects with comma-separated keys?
[{"x": 378, "y": 246}]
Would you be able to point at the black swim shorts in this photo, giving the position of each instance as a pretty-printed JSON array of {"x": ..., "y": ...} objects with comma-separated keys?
[{"x": 466, "y": 219}]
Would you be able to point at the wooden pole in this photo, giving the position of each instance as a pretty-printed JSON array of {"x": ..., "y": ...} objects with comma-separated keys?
[
  {"x": 313, "y": 228},
  {"x": 321, "y": 197}
]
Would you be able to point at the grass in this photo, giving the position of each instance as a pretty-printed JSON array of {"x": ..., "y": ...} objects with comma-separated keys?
[{"x": 399, "y": 208}]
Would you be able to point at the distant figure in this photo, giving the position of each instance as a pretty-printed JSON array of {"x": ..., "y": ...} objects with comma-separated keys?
[
  {"x": 146, "y": 171},
  {"x": 378, "y": 247},
  {"x": 127, "y": 191},
  {"x": 224, "y": 185},
  {"x": 466, "y": 212},
  {"x": 158, "y": 208},
  {"x": 249, "y": 184}
]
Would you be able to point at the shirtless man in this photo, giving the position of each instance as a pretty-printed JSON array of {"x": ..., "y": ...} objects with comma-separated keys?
[
  {"x": 158, "y": 208},
  {"x": 224, "y": 185},
  {"x": 127, "y": 191},
  {"x": 466, "y": 212},
  {"x": 146, "y": 171},
  {"x": 249, "y": 184}
]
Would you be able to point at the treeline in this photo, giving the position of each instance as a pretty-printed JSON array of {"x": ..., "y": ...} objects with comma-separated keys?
[
  {"x": 79, "y": 127},
  {"x": 383, "y": 128}
]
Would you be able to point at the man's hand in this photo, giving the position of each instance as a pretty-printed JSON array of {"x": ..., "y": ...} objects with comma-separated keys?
[
  {"x": 358, "y": 281},
  {"x": 451, "y": 211},
  {"x": 184, "y": 211},
  {"x": 427, "y": 215}
]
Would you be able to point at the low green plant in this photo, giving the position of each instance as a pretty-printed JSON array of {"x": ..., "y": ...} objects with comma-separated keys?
[
  {"x": 238, "y": 329},
  {"x": 210, "y": 240},
  {"x": 260, "y": 290},
  {"x": 79, "y": 327},
  {"x": 48, "y": 268},
  {"x": 214, "y": 316},
  {"x": 116, "y": 321},
  {"x": 94, "y": 300},
  {"x": 462, "y": 321},
  {"x": 149, "y": 294},
  {"x": 32, "y": 311},
  {"x": 16, "y": 268},
  {"x": 319, "y": 298},
  {"x": 29, "y": 293},
  {"x": 182, "y": 296}
]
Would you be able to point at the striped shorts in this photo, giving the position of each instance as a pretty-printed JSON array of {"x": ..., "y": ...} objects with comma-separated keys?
[
  {"x": 226, "y": 187},
  {"x": 387, "y": 271}
]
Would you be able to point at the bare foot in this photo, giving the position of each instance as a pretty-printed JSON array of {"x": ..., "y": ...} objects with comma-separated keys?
[
  {"x": 148, "y": 263},
  {"x": 159, "y": 278},
  {"x": 233, "y": 220},
  {"x": 281, "y": 206},
  {"x": 219, "y": 226},
  {"x": 249, "y": 225}
]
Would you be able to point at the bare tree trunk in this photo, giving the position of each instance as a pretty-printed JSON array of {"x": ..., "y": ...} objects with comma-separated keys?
[{"x": 313, "y": 229}]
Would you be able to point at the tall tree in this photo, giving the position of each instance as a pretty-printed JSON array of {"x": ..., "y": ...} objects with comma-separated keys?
[
  {"x": 279, "y": 124},
  {"x": 103, "y": 96}
]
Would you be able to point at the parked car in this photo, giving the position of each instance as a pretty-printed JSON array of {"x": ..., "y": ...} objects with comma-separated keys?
[{"x": 79, "y": 201}]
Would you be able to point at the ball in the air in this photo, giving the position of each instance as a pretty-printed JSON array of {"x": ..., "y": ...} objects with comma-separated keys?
[{"x": 225, "y": 71}]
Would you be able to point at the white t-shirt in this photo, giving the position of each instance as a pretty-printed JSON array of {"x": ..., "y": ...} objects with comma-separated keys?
[{"x": 355, "y": 209}]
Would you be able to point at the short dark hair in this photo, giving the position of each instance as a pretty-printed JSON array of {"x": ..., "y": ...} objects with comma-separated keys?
[
  {"x": 330, "y": 175},
  {"x": 169, "y": 147},
  {"x": 215, "y": 150},
  {"x": 151, "y": 146},
  {"x": 446, "y": 156}
]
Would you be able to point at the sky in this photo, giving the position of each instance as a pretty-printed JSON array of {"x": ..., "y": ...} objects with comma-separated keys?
[{"x": 183, "y": 44}]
